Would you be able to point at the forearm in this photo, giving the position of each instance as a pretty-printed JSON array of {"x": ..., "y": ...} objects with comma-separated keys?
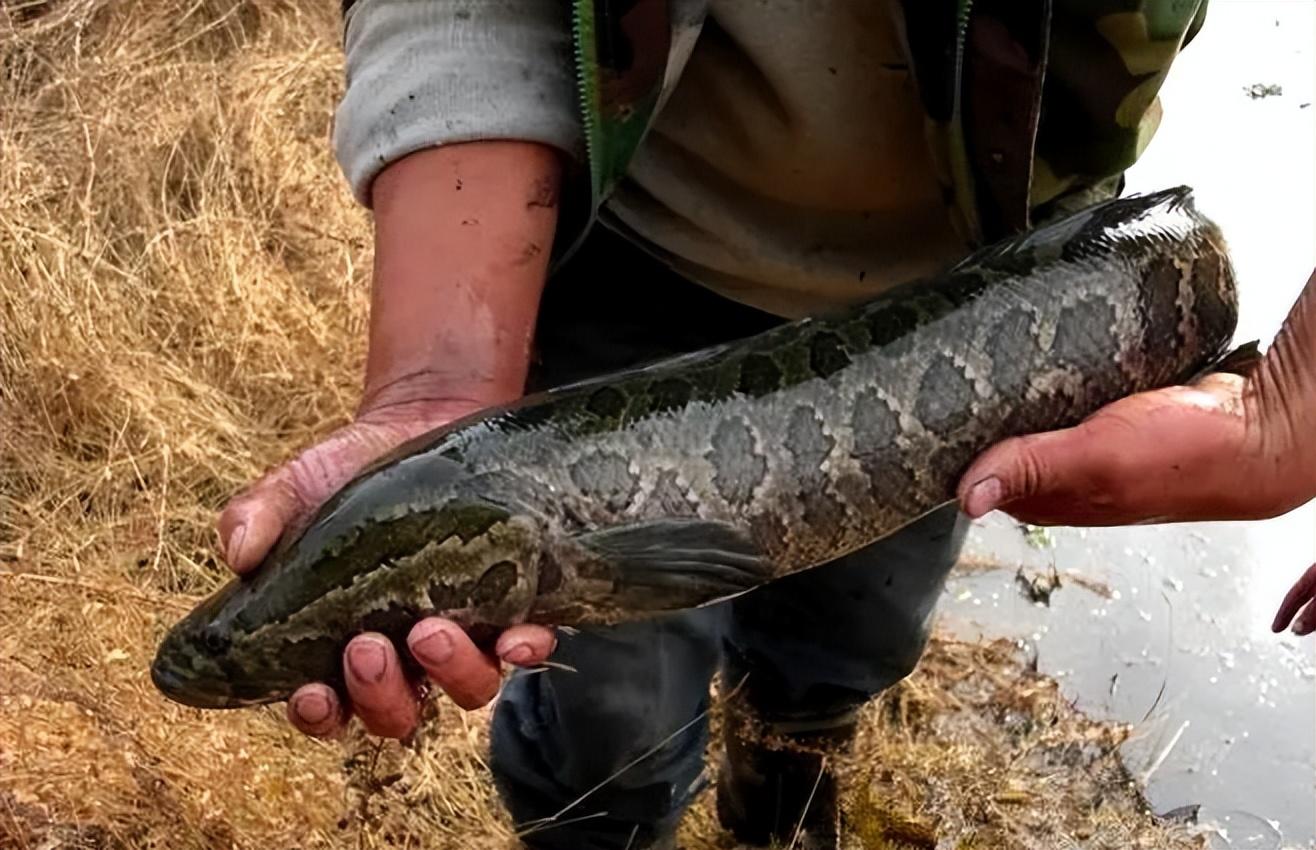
[
  {"x": 1280, "y": 402},
  {"x": 451, "y": 129},
  {"x": 444, "y": 72},
  {"x": 463, "y": 235}
]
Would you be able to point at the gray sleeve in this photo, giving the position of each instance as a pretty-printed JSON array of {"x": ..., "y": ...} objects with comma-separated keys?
[{"x": 422, "y": 73}]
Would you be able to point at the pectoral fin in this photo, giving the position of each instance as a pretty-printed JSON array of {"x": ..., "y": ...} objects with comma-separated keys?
[
  {"x": 1240, "y": 361},
  {"x": 678, "y": 563}
]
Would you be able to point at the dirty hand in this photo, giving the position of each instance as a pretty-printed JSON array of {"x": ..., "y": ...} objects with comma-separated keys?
[
  {"x": 379, "y": 693},
  {"x": 1226, "y": 448},
  {"x": 462, "y": 237}
]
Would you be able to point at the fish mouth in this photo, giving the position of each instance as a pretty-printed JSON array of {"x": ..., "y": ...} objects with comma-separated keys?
[
  {"x": 184, "y": 690},
  {"x": 177, "y": 687}
]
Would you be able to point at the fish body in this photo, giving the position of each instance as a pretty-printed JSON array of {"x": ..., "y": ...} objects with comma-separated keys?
[{"x": 690, "y": 480}]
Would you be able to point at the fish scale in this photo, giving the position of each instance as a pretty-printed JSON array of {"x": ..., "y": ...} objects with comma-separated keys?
[{"x": 690, "y": 480}]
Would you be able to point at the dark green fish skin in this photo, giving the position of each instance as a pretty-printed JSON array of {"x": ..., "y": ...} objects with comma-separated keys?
[{"x": 697, "y": 478}]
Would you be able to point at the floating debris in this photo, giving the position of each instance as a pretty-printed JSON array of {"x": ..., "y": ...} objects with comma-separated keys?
[
  {"x": 1100, "y": 588},
  {"x": 1256, "y": 91},
  {"x": 1186, "y": 815},
  {"x": 1038, "y": 588}
]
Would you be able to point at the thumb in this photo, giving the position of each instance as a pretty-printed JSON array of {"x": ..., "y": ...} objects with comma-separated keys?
[
  {"x": 1057, "y": 466},
  {"x": 1302, "y": 592},
  {"x": 252, "y": 522}
]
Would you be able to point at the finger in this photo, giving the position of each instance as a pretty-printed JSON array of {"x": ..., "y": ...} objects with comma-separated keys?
[
  {"x": 1303, "y": 590},
  {"x": 1305, "y": 624},
  {"x": 1151, "y": 457},
  {"x": 525, "y": 645},
  {"x": 1024, "y": 467},
  {"x": 379, "y": 691},
  {"x": 468, "y": 676},
  {"x": 315, "y": 710},
  {"x": 251, "y": 524}
]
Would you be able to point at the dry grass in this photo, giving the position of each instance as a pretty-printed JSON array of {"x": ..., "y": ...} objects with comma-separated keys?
[{"x": 182, "y": 294}]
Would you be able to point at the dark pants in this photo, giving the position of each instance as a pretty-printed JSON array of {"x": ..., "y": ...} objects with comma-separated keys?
[{"x": 807, "y": 649}]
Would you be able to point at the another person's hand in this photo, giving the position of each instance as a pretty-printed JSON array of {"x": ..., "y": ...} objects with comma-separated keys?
[
  {"x": 1300, "y": 598},
  {"x": 1179, "y": 454},
  {"x": 1226, "y": 448},
  {"x": 462, "y": 239}
]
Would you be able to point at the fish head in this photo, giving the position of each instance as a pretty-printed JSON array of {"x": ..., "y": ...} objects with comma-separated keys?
[
  {"x": 422, "y": 535},
  {"x": 195, "y": 666}
]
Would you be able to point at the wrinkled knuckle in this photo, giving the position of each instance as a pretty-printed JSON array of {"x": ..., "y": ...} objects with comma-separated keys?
[
  {"x": 1030, "y": 471},
  {"x": 307, "y": 476}
]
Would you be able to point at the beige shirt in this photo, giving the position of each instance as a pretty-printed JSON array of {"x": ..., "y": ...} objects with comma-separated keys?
[{"x": 787, "y": 170}]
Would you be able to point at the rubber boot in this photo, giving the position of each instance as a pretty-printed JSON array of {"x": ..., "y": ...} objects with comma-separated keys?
[{"x": 778, "y": 779}]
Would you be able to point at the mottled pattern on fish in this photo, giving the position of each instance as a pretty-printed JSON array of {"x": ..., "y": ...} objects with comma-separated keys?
[{"x": 702, "y": 476}]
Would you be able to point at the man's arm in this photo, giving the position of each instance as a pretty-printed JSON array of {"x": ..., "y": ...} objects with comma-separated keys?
[
  {"x": 1281, "y": 400},
  {"x": 462, "y": 238},
  {"x": 1284, "y": 396},
  {"x": 454, "y": 128}
]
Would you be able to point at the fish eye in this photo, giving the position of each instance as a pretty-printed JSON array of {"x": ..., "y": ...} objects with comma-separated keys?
[{"x": 214, "y": 641}]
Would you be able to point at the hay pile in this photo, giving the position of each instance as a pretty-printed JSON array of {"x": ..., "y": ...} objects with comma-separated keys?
[{"x": 182, "y": 292}]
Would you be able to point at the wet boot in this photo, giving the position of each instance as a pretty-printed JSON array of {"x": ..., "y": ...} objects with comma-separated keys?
[{"x": 779, "y": 778}]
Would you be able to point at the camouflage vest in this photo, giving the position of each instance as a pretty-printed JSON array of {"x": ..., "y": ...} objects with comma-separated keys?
[{"x": 1034, "y": 107}]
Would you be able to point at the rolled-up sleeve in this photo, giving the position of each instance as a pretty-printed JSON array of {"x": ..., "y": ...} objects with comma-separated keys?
[{"x": 422, "y": 73}]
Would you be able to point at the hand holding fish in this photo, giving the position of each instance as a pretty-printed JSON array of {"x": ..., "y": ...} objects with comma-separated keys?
[
  {"x": 379, "y": 693},
  {"x": 444, "y": 220},
  {"x": 1226, "y": 448}
]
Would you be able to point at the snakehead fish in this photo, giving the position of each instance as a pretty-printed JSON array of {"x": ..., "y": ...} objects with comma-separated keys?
[{"x": 696, "y": 478}]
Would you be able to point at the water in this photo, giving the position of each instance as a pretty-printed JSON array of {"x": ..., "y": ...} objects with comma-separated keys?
[
  {"x": 1170, "y": 631},
  {"x": 1224, "y": 710}
]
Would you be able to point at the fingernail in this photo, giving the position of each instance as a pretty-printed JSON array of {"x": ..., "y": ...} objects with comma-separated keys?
[
  {"x": 313, "y": 708},
  {"x": 1302, "y": 628},
  {"x": 519, "y": 654},
  {"x": 433, "y": 648},
  {"x": 233, "y": 548},
  {"x": 983, "y": 497},
  {"x": 368, "y": 660}
]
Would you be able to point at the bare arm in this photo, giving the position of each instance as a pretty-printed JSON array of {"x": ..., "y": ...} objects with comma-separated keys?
[
  {"x": 1280, "y": 401},
  {"x": 462, "y": 240},
  {"x": 1283, "y": 395},
  {"x": 462, "y": 235}
]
